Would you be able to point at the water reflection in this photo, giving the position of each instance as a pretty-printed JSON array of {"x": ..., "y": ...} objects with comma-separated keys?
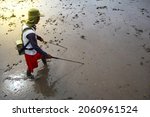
[
  {"x": 18, "y": 86},
  {"x": 14, "y": 12},
  {"x": 15, "y": 84},
  {"x": 43, "y": 85}
]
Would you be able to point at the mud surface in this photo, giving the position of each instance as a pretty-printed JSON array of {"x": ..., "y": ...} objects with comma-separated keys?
[{"x": 111, "y": 38}]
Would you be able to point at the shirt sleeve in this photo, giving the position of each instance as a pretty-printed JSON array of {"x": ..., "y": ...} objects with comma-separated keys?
[{"x": 33, "y": 42}]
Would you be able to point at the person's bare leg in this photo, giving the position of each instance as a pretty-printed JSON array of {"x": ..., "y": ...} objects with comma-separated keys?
[{"x": 44, "y": 61}]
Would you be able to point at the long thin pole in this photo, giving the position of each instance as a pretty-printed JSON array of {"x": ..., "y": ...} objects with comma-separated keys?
[
  {"x": 67, "y": 60},
  {"x": 45, "y": 42},
  {"x": 58, "y": 45}
]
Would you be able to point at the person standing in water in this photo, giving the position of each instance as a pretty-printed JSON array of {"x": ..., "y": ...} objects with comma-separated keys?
[{"x": 32, "y": 51}]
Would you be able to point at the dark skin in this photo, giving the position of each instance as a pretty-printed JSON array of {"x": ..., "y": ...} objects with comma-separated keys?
[
  {"x": 47, "y": 56},
  {"x": 39, "y": 38}
]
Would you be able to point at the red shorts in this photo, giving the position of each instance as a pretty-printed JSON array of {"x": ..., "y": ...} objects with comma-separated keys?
[{"x": 31, "y": 61}]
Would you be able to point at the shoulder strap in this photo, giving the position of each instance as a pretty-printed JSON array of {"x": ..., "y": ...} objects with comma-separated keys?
[
  {"x": 26, "y": 29},
  {"x": 24, "y": 47}
]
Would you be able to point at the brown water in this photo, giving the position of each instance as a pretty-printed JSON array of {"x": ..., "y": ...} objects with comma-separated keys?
[{"x": 111, "y": 37}]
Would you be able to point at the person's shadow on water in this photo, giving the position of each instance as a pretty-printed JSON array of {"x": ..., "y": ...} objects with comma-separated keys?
[{"x": 43, "y": 84}]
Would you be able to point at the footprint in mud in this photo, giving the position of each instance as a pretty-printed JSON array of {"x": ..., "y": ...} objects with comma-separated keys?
[
  {"x": 142, "y": 63},
  {"x": 101, "y": 7},
  {"x": 147, "y": 49},
  {"x": 83, "y": 37},
  {"x": 76, "y": 26},
  {"x": 117, "y": 9},
  {"x": 76, "y": 16},
  {"x": 12, "y": 24},
  {"x": 10, "y": 67},
  {"x": 138, "y": 32},
  {"x": 100, "y": 13},
  {"x": 143, "y": 11},
  {"x": 96, "y": 22},
  {"x": 148, "y": 16}
]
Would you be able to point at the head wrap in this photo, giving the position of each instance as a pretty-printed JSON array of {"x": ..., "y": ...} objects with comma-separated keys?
[{"x": 33, "y": 17}]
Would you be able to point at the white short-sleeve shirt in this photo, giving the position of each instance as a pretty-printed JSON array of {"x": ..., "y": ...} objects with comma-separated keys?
[{"x": 25, "y": 40}]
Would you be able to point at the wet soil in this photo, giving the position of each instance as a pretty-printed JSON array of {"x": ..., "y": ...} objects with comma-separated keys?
[{"x": 111, "y": 38}]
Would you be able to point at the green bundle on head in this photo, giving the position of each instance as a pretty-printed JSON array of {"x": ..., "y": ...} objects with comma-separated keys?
[{"x": 33, "y": 17}]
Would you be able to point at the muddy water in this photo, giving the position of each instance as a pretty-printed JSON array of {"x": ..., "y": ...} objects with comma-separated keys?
[{"x": 111, "y": 37}]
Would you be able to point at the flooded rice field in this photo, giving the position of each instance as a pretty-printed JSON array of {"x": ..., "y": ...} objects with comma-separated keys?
[{"x": 111, "y": 38}]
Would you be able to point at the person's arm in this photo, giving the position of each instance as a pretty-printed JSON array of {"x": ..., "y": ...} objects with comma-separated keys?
[
  {"x": 33, "y": 42},
  {"x": 40, "y": 38}
]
